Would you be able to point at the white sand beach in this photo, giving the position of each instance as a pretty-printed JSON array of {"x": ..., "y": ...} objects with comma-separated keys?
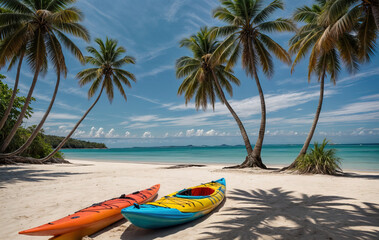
[{"x": 259, "y": 204}]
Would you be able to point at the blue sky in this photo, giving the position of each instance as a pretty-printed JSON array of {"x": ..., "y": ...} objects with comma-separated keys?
[{"x": 154, "y": 115}]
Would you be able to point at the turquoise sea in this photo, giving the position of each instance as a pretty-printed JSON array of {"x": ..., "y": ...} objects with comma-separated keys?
[{"x": 354, "y": 156}]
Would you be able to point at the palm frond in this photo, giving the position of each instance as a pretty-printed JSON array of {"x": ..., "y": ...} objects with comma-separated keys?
[
  {"x": 119, "y": 86},
  {"x": 267, "y": 11},
  {"x": 265, "y": 59},
  {"x": 15, "y": 6},
  {"x": 74, "y": 29},
  {"x": 278, "y": 25},
  {"x": 275, "y": 48}
]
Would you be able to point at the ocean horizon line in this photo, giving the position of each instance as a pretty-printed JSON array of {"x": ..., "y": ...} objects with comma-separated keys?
[{"x": 228, "y": 145}]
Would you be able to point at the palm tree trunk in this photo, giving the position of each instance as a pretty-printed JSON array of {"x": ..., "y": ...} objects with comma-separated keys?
[
  {"x": 254, "y": 159},
  {"x": 375, "y": 11},
  {"x": 303, "y": 150},
  {"x": 38, "y": 128},
  {"x": 14, "y": 93},
  {"x": 239, "y": 123},
  {"x": 73, "y": 130},
  {"x": 9, "y": 138}
]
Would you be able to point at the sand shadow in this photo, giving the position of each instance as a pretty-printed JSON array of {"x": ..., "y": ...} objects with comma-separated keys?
[
  {"x": 133, "y": 232},
  {"x": 359, "y": 175},
  {"x": 22, "y": 174},
  {"x": 261, "y": 214}
]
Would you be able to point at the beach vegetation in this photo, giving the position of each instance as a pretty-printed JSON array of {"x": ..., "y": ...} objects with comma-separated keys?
[
  {"x": 247, "y": 25},
  {"x": 39, "y": 147},
  {"x": 319, "y": 160},
  {"x": 323, "y": 62},
  {"x": 54, "y": 141},
  {"x": 37, "y": 30},
  {"x": 106, "y": 74},
  {"x": 206, "y": 77}
]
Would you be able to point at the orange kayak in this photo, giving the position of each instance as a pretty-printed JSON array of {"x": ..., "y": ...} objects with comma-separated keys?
[{"x": 94, "y": 218}]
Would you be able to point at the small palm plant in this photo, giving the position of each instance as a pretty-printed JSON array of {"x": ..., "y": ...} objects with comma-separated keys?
[{"x": 320, "y": 160}]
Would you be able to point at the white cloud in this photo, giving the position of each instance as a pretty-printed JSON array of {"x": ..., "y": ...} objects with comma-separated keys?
[
  {"x": 152, "y": 101},
  {"x": 111, "y": 134},
  {"x": 144, "y": 118},
  {"x": 75, "y": 91},
  {"x": 370, "y": 97},
  {"x": 92, "y": 132},
  {"x": 179, "y": 134},
  {"x": 79, "y": 133},
  {"x": 173, "y": 9},
  {"x": 199, "y": 132},
  {"x": 99, "y": 133},
  {"x": 355, "y": 108},
  {"x": 127, "y": 134},
  {"x": 156, "y": 71},
  {"x": 147, "y": 135},
  {"x": 190, "y": 133},
  {"x": 211, "y": 132}
]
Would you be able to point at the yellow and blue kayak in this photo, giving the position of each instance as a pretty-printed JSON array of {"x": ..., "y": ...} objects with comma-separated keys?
[{"x": 179, "y": 207}]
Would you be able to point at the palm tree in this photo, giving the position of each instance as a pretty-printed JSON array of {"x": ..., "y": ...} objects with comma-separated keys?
[
  {"x": 245, "y": 33},
  {"x": 204, "y": 77},
  {"x": 106, "y": 73},
  {"x": 322, "y": 61},
  {"x": 39, "y": 27},
  {"x": 358, "y": 16}
]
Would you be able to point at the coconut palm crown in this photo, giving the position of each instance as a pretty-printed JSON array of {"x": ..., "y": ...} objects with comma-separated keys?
[
  {"x": 107, "y": 71},
  {"x": 198, "y": 71},
  {"x": 40, "y": 26}
]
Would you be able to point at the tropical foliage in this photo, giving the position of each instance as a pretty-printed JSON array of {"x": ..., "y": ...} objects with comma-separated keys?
[
  {"x": 246, "y": 37},
  {"x": 5, "y": 96},
  {"x": 72, "y": 143},
  {"x": 360, "y": 17},
  {"x": 39, "y": 148},
  {"x": 319, "y": 160},
  {"x": 205, "y": 77},
  {"x": 37, "y": 29}
]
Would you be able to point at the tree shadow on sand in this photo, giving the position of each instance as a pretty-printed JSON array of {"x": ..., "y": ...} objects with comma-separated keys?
[
  {"x": 278, "y": 214},
  {"x": 9, "y": 175},
  {"x": 135, "y": 233}
]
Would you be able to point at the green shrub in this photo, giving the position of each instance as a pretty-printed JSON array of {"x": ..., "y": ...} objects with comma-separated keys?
[
  {"x": 320, "y": 160},
  {"x": 39, "y": 147}
]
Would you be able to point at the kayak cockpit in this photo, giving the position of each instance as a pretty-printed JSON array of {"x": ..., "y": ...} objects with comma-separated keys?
[{"x": 199, "y": 192}]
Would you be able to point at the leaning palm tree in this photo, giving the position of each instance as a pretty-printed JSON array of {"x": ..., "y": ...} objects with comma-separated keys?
[
  {"x": 106, "y": 73},
  {"x": 205, "y": 78},
  {"x": 37, "y": 29},
  {"x": 323, "y": 61},
  {"x": 245, "y": 33}
]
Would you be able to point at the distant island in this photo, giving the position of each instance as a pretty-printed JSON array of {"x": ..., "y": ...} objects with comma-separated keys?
[{"x": 72, "y": 143}]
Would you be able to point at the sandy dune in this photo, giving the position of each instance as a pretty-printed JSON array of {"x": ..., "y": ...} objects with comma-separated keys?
[{"x": 259, "y": 204}]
